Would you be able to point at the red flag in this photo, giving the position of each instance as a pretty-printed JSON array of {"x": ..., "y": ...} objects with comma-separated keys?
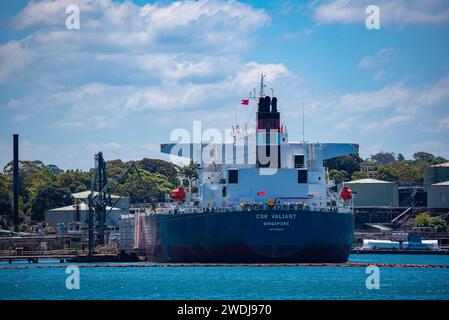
[
  {"x": 245, "y": 102},
  {"x": 261, "y": 193}
]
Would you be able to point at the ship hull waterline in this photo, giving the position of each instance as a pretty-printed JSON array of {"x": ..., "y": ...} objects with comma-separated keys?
[{"x": 273, "y": 236}]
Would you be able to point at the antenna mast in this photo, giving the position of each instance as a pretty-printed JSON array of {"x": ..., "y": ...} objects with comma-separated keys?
[{"x": 262, "y": 85}]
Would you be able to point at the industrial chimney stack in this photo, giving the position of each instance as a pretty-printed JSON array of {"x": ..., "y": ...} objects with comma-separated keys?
[{"x": 15, "y": 218}]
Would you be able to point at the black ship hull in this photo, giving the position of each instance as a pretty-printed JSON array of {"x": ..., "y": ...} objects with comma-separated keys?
[{"x": 274, "y": 236}]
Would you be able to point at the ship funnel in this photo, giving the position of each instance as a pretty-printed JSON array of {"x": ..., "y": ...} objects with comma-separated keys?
[
  {"x": 263, "y": 106},
  {"x": 274, "y": 105},
  {"x": 267, "y": 103}
]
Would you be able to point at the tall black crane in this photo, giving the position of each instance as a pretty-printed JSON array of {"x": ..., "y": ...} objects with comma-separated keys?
[{"x": 101, "y": 196}]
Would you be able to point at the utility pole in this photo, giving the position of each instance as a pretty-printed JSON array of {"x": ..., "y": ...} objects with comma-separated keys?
[{"x": 16, "y": 186}]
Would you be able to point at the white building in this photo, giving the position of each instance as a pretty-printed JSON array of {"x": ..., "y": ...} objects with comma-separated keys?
[
  {"x": 122, "y": 203},
  {"x": 80, "y": 213}
]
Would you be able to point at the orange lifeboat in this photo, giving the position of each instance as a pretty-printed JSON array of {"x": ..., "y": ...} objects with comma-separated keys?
[
  {"x": 178, "y": 194},
  {"x": 346, "y": 194}
]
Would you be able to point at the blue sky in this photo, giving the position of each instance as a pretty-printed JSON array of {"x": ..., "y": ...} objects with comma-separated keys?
[{"x": 137, "y": 70}]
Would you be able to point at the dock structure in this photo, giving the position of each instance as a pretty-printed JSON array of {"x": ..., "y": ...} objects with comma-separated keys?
[
  {"x": 34, "y": 258},
  {"x": 177, "y": 265}
]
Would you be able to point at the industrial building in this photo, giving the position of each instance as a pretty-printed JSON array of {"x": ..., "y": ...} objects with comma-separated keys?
[
  {"x": 373, "y": 193},
  {"x": 122, "y": 202},
  {"x": 436, "y": 174},
  {"x": 438, "y": 195},
  {"x": 80, "y": 213}
]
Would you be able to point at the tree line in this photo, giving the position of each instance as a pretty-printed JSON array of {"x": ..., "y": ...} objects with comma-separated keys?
[
  {"x": 44, "y": 187},
  {"x": 389, "y": 167}
]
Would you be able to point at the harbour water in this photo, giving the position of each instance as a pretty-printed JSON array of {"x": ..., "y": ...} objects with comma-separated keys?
[{"x": 231, "y": 282}]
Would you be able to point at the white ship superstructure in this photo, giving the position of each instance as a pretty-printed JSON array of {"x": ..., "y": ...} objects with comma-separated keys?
[{"x": 260, "y": 166}]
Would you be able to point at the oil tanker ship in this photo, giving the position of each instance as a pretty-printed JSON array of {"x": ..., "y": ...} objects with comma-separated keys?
[{"x": 261, "y": 199}]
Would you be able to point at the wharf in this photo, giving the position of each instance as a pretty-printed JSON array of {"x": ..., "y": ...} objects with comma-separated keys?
[
  {"x": 67, "y": 256},
  {"x": 400, "y": 251},
  {"x": 173, "y": 265}
]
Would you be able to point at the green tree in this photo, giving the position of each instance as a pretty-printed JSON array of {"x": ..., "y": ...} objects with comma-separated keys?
[
  {"x": 428, "y": 158},
  {"x": 408, "y": 172},
  {"x": 383, "y": 158},
  {"x": 156, "y": 185},
  {"x": 159, "y": 166},
  {"x": 53, "y": 169},
  {"x": 359, "y": 175},
  {"x": 349, "y": 163},
  {"x": 338, "y": 176},
  {"x": 75, "y": 180},
  {"x": 5, "y": 196},
  {"x": 400, "y": 157},
  {"x": 50, "y": 196},
  {"x": 422, "y": 220},
  {"x": 439, "y": 224},
  {"x": 388, "y": 173}
]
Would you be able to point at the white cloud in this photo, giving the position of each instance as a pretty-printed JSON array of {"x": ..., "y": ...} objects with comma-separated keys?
[
  {"x": 127, "y": 25},
  {"x": 398, "y": 12},
  {"x": 41, "y": 12},
  {"x": 113, "y": 145},
  {"x": 379, "y": 63},
  {"x": 444, "y": 124},
  {"x": 388, "y": 123},
  {"x": 383, "y": 56},
  {"x": 128, "y": 59},
  {"x": 14, "y": 57},
  {"x": 387, "y": 97},
  {"x": 439, "y": 148},
  {"x": 127, "y": 43},
  {"x": 28, "y": 150},
  {"x": 385, "y": 109},
  {"x": 92, "y": 104},
  {"x": 20, "y": 117}
]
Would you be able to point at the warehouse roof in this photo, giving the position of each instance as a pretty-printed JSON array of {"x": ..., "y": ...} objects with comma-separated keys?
[
  {"x": 445, "y": 183},
  {"x": 85, "y": 194},
  {"x": 83, "y": 207},
  {"x": 368, "y": 181}
]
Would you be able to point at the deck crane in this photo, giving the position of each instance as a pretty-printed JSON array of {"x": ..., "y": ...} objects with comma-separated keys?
[{"x": 98, "y": 202}]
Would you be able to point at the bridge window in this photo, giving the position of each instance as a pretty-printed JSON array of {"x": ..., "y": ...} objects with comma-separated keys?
[
  {"x": 299, "y": 161},
  {"x": 302, "y": 176},
  {"x": 233, "y": 176}
]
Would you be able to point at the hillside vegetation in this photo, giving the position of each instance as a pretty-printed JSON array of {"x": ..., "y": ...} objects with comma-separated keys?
[
  {"x": 389, "y": 167},
  {"x": 44, "y": 187}
]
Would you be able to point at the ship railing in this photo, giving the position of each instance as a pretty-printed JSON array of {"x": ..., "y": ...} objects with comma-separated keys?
[{"x": 250, "y": 208}]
